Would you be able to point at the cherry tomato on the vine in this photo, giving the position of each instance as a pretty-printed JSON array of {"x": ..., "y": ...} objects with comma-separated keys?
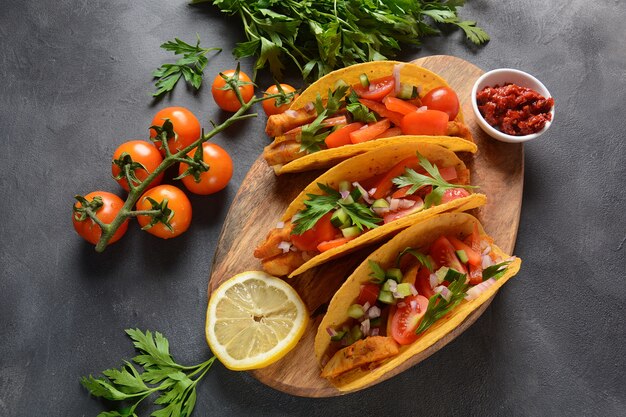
[
  {"x": 111, "y": 205},
  {"x": 177, "y": 201},
  {"x": 226, "y": 98},
  {"x": 270, "y": 106},
  {"x": 186, "y": 126},
  {"x": 219, "y": 173},
  {"x": 443, "y": 99},
  {"x": 142, "y": 152}
]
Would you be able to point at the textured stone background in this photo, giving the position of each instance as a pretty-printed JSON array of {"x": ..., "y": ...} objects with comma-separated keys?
[{"x": 76, "y": 82}]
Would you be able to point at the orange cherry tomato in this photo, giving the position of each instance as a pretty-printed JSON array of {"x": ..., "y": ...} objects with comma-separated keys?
[
  {"x": 216, "y": 178},
  {"x": 321, "y": 232},
  {"x": 142, "y": 152},
  {"x": 186, "y": 126},
  {"x": 399, "y": 105},
  {"x": 425, "y": 122},
  {"x": 443, "y": 99},
  {"x": 177, "y": 201},
  {"x": 370, "y": 132},
  {"x": 227, "y": 99},
  {"x": 341, "y": 136},
  {"x": 111, "y": 205},
  {"x": 269, "y": 106}
]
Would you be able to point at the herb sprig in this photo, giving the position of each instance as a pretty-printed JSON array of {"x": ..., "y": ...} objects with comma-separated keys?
[
  {"x": 191, "y": 66},
  {"x": 313, "y": 134},
  {"x": 417, "y": 181},
  {"x": 324, "y": 35},
  {"x": 175, "y": 384},
  {"x": 319, "y": 205},
  {"x": 438, "y": 307}
]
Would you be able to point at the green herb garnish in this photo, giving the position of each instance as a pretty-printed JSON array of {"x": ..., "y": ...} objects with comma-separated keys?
[
  {"x": 438, "y": 307},
  {"x": 161, "y": 375},
  {"x": 421, "y": 258},
  {"x": 360, "y": 112},
  {"x": 495, "y": 271},
  {"x": 378, "y": 273},
  {"x": 191, "y": 66},
  {"x": 417, "y": 181}
]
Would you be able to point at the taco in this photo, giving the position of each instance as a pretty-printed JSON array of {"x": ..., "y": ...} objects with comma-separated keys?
[
  {"x": 364, "y": 199},
  {"x": 410, "y": 293},
  {"x": 360, "y": 108}
]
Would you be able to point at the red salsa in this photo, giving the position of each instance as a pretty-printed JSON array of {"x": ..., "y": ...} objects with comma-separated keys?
[{"x": 514, "y": 110}]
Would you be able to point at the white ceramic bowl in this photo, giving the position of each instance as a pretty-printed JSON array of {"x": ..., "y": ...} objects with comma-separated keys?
[{"x": 500, "y": 77}]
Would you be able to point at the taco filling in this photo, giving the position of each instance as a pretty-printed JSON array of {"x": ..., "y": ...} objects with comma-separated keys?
[
  {"x": 400, "y": 303},
  {"x": 336, "y": 216},
  {"x": 369, "y": 110}
]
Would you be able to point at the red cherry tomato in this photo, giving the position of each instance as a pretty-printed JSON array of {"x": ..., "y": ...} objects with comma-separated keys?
[
  {"x": 443, "y": 99},
  {"x": 443, "y": 253},
  {"x": 177, "y": 201},
  {"x": 472, "y": 255},
  {"x": 377, "y": 89},
  {"x": 407, "y": 315},
  {"x": 269, "y": 106},
  {"x": 321, "y": 232},
  {"x": 111, "y": 205},
  {"x": 186, "y": 126},
  {"x": 422, "y": 282},
  {"x": 227, "y": 99},
  {"x": 368, "y": 294},
  {"x": 143, "y": 152},
  {"x": 216, "y": 178},
  {"x": 425, "y": 122},
  {"x": 453, "y": 193}
]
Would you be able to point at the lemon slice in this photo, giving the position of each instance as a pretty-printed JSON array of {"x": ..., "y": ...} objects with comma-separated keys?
[{"x": 253, "y": 320}]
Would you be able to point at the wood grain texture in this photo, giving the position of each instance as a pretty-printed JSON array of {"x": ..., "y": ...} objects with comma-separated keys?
[{"x": 498, "y": 168}]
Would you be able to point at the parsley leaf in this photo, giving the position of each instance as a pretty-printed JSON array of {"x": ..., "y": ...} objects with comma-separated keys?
[
  {"x": 378, "y": 273},
  {"x": 438, "y": 307},
  {"x": 176, "y": 383},
  {"x": 421, "y": 258},
  {"x": 417, "y": 181},
  {"x": 495, "y": 271},
  {"x": 311, "y": 138},
  {"x": 191, "y": 66},
  {"x": 360, "y": 112}
]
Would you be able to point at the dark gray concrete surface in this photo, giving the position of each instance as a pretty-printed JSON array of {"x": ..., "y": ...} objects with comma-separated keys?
[{"x": 75, "y": 82}]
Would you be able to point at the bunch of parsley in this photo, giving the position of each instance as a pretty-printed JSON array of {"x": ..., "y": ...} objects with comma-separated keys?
[{"x": 320, "y": 36}]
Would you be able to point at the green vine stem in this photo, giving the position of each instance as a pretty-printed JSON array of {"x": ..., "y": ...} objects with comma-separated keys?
[{"x": 136, "y": 191}]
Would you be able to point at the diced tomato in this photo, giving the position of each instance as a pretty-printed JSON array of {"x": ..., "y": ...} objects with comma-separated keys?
[
  {"x": 341, "y": 136},
  {"x": 407, "y": 315},
  {"x": 443, "y": 254},
  {"x": 421, "y": 193},
  {"x": 381, "y": 110},
  {"x": 398, "y": 105},
  {"x": 368, "y": 294},
  {"x": 385, "y": 184},
  {"x": 475, "y": 270},
  {"x": 377, "y": 89},
  {"x": 331, "y": 244},
  {"x": 453, "y": 193},
  {"x": 422, "y": 282},
  {"x": 425, "y": 122},
  {"x": 370, "y": 132},
  {"x": 447, "y": 173},
  {"x": 321, "y": 232},
  {"x": 389, "y": 133},
  {"x": 472, "y": 256}
]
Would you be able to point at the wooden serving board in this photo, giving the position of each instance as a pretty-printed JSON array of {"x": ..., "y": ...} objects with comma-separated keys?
[{"x": 498, "y": 168}]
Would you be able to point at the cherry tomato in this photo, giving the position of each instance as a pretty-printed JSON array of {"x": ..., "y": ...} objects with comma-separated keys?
[
  {"x": 186, "y": 126},
  {"x": 321, "y": 232},
  {"x": 341, "y": 136},
  {"x": 227, "y": 99},
  {"x": 270, "y": 105},
  {"x": 443, "y": 254},
  {"x": 453, "y": 193},
  {"x": 425, "y": 122},
  {"x": 398, "y": 105},
  {"x": 143, "y": 152},
  {"x": 377, "y": 89},
  {"x": 368, "y": 294},
  {"x": 422, "y": 282},
  {"x": 443, "y": 99},
  {"x": 385, "y": 183},
  {"x": 111, "y": 205},
  {"x": 475, "y": 270},
  {"x": 219, "y": 173},
  {"x": 177, "y": 201},
  {"x": 407, "y": 315}
]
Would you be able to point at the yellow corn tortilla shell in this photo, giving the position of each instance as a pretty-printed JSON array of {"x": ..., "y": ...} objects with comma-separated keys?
[
  {"x": 419, "y": 236},
  {"x": 367, "y": 165}
]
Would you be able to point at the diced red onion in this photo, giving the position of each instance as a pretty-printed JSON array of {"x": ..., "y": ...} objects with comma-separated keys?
[
  {"x": 476, "y": 290},
  {"x": 486, "y": 261},
  {"x": 344, "y": 194},
  {"x": 393, "y": 285},
  {"x": 366, "y": 306},
  {"x": 486, "y": 250},
  {"x": 413, "y": 289},
  {"x": 284, "y": 246},
  {"x": 373, "y": 312},
  {"x": 307, "y": 107},
  {"x": 393, "y": 204},
  {"x": 293, "y": 113},
  {"x": 380, "y": 210},
  {"x": 413, "y": 304},
  {"x": 433, "y": 280},
  {"x": 396, "y": 77},
  {"x": 364, "y": 194},
  {"x": 372, "y": 191},
  {"x": 444, "y": 291},
  {"x": 332, "y": 332},
  {"x": 423, "y": 108},
  {"x": 405, "y": 203},
  {"x": 375, "y": 331},
  {"x": 365, "y": 327},
  {"x": 280, "y": 225}
]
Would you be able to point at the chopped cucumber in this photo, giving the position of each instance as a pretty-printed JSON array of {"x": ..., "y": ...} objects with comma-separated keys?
[
  {"x": 394, "y": 274},
  {"x": 462, "y": 256},
  {"x": 441, "y": 274},
  {"x": 355, "y": 311},
  {"x": 386, "y": 297},
  {"x": 344, "y": 186},
  {"x": 380, "y": 203},
  {"x": 349, "y": 232},
  {"x": 340, "y": 218},
  {"x": 365, "y": 82},
  {"x": 340, "y": 83},
  {"x": 407, "y": 92},
  {"x": 356, "y": 333},
  {"x": 338, "y": 336},
  {"x": 404, "y": 289}
]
